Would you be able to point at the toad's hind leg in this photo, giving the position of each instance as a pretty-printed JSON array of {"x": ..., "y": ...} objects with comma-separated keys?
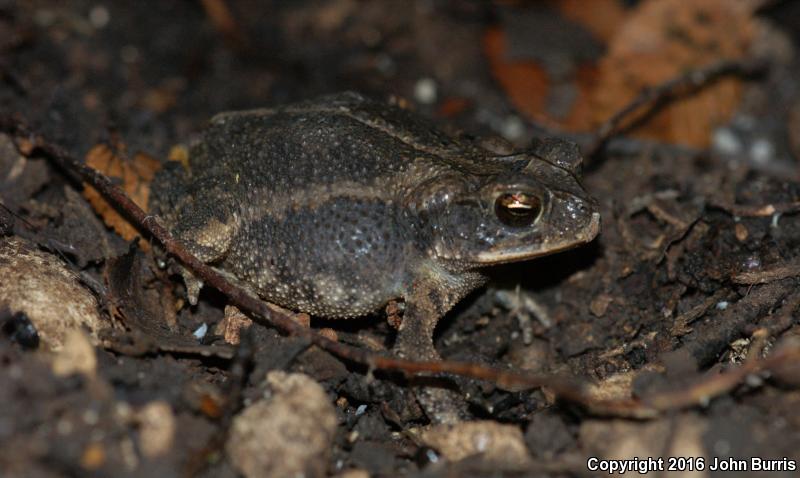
[{"x": 439, "y": 397}]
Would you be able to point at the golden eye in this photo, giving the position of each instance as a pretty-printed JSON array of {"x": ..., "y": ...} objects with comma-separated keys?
[{"x": 517, "y": 209}]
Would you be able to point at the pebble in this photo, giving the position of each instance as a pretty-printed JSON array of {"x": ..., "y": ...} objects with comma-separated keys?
[
  {"x": 289, "y": 432},
  {"x": 498, "y": 443},
  {"x": 39, "y": 285}
]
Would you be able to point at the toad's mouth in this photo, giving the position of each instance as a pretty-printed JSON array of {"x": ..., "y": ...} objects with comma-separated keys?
[{"x": 531, "y": 252}]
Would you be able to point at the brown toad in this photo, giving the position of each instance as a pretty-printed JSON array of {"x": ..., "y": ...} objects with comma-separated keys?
[{"x": 339, "y": 205}]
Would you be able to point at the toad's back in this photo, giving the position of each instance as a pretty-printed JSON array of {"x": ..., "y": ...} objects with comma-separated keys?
[
  {"x": 301, "y": 203},
  {"x": 337, "y": 205}
]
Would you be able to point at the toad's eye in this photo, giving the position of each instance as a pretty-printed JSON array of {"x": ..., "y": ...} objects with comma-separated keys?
[{"x": 517, "y": 209}]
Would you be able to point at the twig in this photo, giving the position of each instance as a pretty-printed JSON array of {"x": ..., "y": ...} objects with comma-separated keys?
[
  {"x": 650, "y": 99},
  {"x": 765, "y": 210},
  {"x": 789, "y": 269},
  {"x": 703, "y": 345},
  {"x": 703, "y": 391},
  {"x": 680, "y": 326},
  {"x": 784, "y": 317}
]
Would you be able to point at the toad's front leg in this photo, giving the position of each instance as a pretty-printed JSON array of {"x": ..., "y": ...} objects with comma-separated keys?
[{"x": 427, "y": 303}]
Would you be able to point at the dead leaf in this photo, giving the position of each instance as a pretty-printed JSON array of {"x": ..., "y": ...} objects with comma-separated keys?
[
  {"x": 524, "y": 81},
  {"x": 601, "y": 17},
  {"x": 136, "y": 176},
  {"x": 451, "y": 107},
  {"x": 528, "y": 85},
  {"x": 647, "y": 45},
  {"x": 163, "y": 97},
  {"x": 662, "y": 39}
]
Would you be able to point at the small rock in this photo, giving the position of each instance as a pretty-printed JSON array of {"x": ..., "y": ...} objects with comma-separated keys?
[
  {"x": 498, "y": 443},
  {"x": 600, "y": 304},
  {"x": 76, "y": 356},
  {"x": 231, "y": 326},
  {"x": 618, "y": 386},
  {"x": 39, "y": 285},
  {"x": 288, "y": 433},
  {"x": 741, "y": 232},
  {"x": 156, "y": 429},
  {"x": 425, "y": 91}
]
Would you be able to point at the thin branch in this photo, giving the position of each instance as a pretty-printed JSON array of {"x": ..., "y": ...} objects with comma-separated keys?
[
  {"x": 703, "y": 391},
  {"x": 765, "y": 210},
  {"x": 788, "y": 269}
]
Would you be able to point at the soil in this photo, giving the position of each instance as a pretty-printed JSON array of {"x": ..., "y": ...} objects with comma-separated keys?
[{"x": 693, "y": 277}]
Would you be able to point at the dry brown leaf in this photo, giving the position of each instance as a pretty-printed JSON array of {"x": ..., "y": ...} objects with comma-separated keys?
[
  {"x": 662, "y": 39},
  {"x": 647, "y": 45},
  {"x": 524, "y": 81},
  {"x": 136, "y": 176},
  {"x": 601, "y": 17},
  {"x": 163, "y": 97},
  {"x": 527, "y": 85}
]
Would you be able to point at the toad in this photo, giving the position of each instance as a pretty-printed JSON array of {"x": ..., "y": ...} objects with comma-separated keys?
[{"x": 337, "y": 206}]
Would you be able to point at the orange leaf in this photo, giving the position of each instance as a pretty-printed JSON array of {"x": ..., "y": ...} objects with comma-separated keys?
[
  {"x": 601, "y": 17},
  {"x": 527, "y": 85},
  {"x": 525, "y": 82},
  {"x": 135, "y": 175},
  {"x": 662, "y": 39}
]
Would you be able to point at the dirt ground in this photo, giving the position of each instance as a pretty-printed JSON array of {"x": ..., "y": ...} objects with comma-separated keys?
[{"x": 678, "y": 324}]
